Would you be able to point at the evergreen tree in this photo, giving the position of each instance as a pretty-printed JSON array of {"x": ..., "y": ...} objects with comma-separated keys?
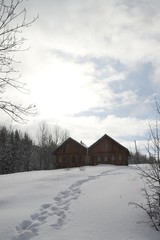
[
  {"x": 26, "y": 152},
  {"x": 3, "y": 155}
]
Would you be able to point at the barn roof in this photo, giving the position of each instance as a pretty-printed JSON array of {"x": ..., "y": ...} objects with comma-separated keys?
[
  {"x": 67, "y": 141},
  {"x": 105, "y": 136}
]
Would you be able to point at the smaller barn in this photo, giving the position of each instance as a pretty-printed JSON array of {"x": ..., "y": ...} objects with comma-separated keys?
[
  {"x": 108, "y": 151},
  {"x": 70, "y": 154}
]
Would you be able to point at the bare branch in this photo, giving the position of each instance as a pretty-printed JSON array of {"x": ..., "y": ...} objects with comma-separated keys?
[
  {"x": 150, "y": 174},
  {"x": 12, "y": 23}
]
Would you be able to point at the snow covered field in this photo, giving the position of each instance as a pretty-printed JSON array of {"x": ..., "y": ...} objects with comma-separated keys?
[{"x": 74, "y": 205}]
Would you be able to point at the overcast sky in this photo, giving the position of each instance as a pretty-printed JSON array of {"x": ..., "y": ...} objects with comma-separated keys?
[{"x": 93, "y": 67}]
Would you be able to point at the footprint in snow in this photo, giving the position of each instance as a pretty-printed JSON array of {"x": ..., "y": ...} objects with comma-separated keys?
[{"x": 58, "y": 211}]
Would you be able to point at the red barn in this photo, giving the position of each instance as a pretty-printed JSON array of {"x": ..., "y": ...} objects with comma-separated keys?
[
  {"x": 107, "y": 151},
  {"x": 104, "y": 151},
  {"x": 70, "y": 154}
]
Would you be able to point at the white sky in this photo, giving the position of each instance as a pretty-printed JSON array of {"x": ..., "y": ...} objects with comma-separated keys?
[{"x": 93, "y": 67}]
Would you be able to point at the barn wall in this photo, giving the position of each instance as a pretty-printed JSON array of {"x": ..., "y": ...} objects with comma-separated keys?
[
  {"x": 104, "y": 151},
  {"x": 71, "y": 154},
  {"x": 108, "y": 152}
]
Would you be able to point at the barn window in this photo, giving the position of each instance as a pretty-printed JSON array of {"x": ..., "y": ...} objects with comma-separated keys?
[
  {"x": 106, "y": 147},
  {"x": 120, "y": 157},
  {"x": 113, "y": 157},
  {"x": 60, "y": 160},
  {"x": 106, "y": 158},
  {"x": 99, "y": 159}
]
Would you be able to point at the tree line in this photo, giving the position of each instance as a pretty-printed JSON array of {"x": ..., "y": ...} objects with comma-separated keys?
[
  {"x": 138, "y": 157},
  {"x": 19, "y": 153}
]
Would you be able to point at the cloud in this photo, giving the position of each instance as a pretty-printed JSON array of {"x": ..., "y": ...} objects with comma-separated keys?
[
  {"x": 119, "y": 30},
  {"x": 91, "y": 128},
  {"x": 86, "y": 24},
  {"x": 94, "y": 65}
]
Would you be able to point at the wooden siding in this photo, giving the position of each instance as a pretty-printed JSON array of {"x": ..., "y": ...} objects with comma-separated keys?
[
  {"x": 104, "y": 151},
  {"x": 70, "y": 154},
  {"x": 107, "y": 151}
]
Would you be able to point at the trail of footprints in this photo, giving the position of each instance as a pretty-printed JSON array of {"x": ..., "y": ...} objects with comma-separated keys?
[{"x": 57, "y": 212}]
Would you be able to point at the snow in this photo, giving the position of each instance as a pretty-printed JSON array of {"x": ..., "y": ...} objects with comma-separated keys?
[{"x": 73, "y": 204}]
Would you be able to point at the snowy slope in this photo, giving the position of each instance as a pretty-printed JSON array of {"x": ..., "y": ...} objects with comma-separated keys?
[{"x": 74, "y": 204}]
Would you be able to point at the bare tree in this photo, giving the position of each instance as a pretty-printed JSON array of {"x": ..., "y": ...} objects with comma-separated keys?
[
  {"x": 60, "y": 135},
  {"x": 43, "y": 136},
  {"x": 47, "y": 142},
  {"x": 46, "y": 146},
  {"x": 12, "y": 23},
  {"x": 150, "y": 174}
]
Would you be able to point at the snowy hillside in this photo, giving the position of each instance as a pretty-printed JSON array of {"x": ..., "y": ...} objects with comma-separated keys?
[{"x": 79, "y": 205}]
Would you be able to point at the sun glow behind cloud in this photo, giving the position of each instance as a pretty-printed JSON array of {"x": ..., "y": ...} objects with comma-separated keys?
[
  {"x": 69, "y": 87},
  {"x": 66, "y": 87}
]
